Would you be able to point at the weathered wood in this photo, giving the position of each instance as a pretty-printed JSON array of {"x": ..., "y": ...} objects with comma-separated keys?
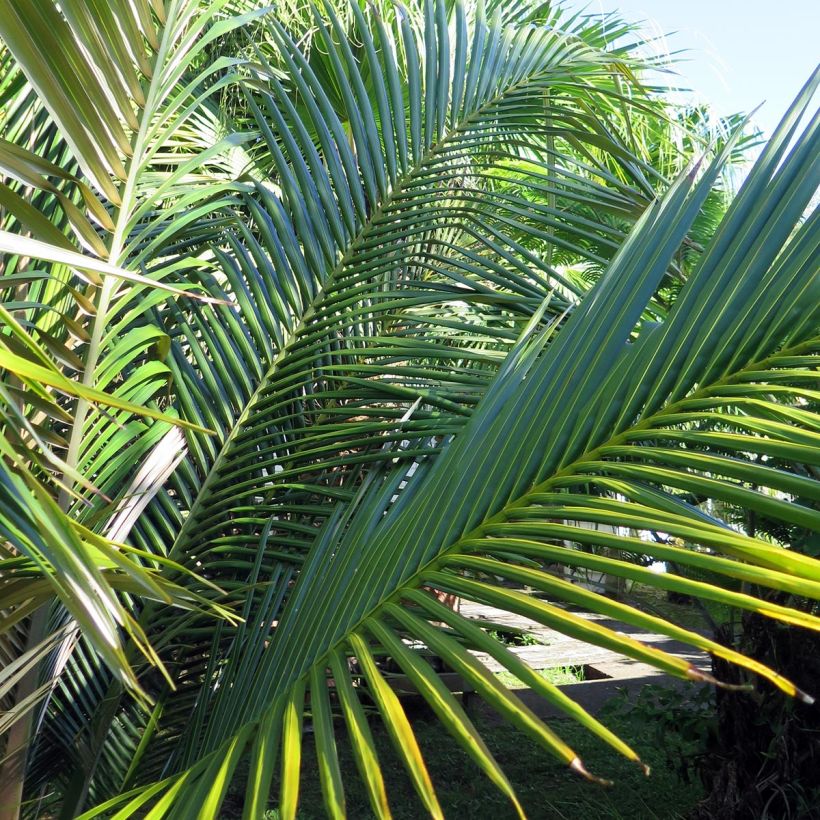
[
  {"x": 558, "y": 650},
  {"x": 561, "y": 654}
]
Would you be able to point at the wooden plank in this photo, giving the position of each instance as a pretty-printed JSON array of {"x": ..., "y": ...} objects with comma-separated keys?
[{"x": 571, "y": 653}]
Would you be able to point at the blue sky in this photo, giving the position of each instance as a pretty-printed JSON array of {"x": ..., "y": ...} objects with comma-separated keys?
[{"x": 740, "y": 53}]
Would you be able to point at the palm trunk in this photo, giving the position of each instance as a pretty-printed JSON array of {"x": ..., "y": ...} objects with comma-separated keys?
[{"x": 765, "y": 761}]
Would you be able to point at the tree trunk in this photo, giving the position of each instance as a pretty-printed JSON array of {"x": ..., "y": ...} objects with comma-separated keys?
[{"x": 765, "y": 761}]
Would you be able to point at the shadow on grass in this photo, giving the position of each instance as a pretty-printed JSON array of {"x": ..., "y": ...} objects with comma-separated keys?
[{"x": 546, "y": 789}]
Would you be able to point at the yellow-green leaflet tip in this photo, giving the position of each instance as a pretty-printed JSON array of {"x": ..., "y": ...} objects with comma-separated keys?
[
  {"x": 699, "y": 675},
  {"x": 732, "y": 687},
  {"x": 693, "y": 673},
  {"x": 579, "y": 767}
]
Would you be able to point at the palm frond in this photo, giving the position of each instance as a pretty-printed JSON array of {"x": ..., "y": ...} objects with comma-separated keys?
[
  {"x": 558, "y": 434},
  {"x": 413, "y": 289}
]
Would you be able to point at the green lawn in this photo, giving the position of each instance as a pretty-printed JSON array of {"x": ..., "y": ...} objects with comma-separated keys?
[{"x": 559, "y": 675}]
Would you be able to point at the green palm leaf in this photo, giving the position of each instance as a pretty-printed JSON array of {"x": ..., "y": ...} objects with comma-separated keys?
[
  {"x": 93, "y": 95},
  {"x": 559, "y": 434},
  {"x": 408, "y": 384},
  {"x": 345, "y": 284}
]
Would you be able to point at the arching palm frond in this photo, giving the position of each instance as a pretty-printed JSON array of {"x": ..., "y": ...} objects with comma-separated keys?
[
  {"x": 604, "y": 424},
  {"x": 372, "y": 306},
  {"x": 408, "y": 384}
]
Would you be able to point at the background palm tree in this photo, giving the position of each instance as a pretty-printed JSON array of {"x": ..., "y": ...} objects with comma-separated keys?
[{"x": 374, "y": 300}]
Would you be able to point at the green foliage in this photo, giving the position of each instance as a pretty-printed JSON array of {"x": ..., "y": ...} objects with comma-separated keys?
[
  {"x": 514, "y": 637},
  {"x": 299, "y": 330},
  {"x": 558, "y": 675},
  {"x": 547, "y": 790},
  {"x": 681, "y": 724}
]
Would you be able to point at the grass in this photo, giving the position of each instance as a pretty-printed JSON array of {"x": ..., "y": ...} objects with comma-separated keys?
[
  {"x": 547, "y": 789},
  {"x": 559, "y": 675},
  {"x": 516, "y": 637}
]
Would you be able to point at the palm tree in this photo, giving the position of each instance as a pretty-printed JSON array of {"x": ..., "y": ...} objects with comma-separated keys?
[{"x": 339, "y": 338}]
